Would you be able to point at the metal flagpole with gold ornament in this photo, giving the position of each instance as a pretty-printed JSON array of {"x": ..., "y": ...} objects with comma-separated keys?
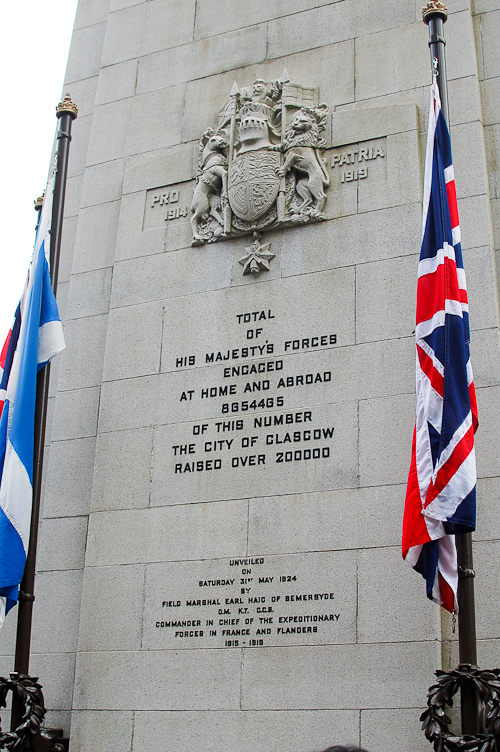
[
  {"x": 27, "y": 704},
  {"x": 479, "y": 689}
]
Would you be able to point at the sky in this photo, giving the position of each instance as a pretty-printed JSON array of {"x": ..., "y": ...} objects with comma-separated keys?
[{"x": 35, "y": 37}]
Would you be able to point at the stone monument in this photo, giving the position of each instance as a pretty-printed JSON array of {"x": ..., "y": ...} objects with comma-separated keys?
[{"x": 230, "y": 426}]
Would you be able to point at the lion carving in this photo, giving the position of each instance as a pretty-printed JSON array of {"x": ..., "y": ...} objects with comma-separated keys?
[
  {"x": 301, "y": 143},
  {"x": 211, "y": 186}
]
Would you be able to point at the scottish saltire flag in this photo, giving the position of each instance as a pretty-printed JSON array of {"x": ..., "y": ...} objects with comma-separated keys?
[
  {"x": 35, "y": 337},
  {"x": 441, "y": 491}
]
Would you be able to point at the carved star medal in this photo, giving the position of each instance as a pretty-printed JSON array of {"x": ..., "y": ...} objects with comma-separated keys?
[{"x": 257, "y": 256}]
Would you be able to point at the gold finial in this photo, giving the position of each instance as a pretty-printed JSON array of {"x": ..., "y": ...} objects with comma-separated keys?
[
  {"x": 434, "y": 6},
  {"x": 67, "y": 106},
  {"x": 39, "y": 202}
]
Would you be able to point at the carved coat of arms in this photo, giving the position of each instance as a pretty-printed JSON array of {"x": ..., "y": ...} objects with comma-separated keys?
[{"x": 261, "y": 166}]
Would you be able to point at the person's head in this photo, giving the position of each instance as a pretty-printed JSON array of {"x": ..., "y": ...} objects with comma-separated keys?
[{"x": 259, "y": 89}]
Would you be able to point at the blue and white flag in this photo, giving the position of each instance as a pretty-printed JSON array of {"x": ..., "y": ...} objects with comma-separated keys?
[{"x": 36, "y": 336}]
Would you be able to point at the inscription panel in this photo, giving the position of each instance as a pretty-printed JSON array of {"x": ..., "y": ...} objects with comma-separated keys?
[
  {"x": 290, "y": 451},
  {"x": 259, "y": 601},
  {"x": 254, "y": 398},
  {"x": 169, "y": 203}
]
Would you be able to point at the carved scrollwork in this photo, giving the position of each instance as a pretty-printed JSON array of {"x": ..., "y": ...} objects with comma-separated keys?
[{"x": 436, "y": 723}]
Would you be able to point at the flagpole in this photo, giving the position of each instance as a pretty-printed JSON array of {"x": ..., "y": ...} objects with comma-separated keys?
[
  {"x": 66, "y": 112},
  {"x": 434, "y": 15}
]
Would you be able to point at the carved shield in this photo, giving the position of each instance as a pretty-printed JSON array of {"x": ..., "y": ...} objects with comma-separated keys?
[{"x": 253, "y": 183}]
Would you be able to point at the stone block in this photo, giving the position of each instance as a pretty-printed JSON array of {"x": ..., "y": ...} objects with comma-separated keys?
[
  {"x": 73, "y": 196},
  {"x": 132, "y": 239},
  {"x": 134, "y": 339},
  {"x": 244, "y": 731},
  {"x": 137, "y": 124},
  {"x": 485, "y": 357},
  {"x": 80, "y": 138},
  {"x": 465, "y": 102},
  {"x": 492, "y": 140},
  {"x": 145, "y": 28},
  {"x": 119, "y": 4},
  {"x": 91, "y": 12},
  {"x": 69, "y": 477},
  {"x": 377, "y": 668},
  {"x": 385, "y": 299},
  {"x": 167, "y": 23},
  {"x": 475, "y": 222},
  {"x": 96, "y": 237},
  {"x": 399, "y": 729},
  {"x": 320, "y": 521},
  {"x": 484, "y": 6},
  {"x": 194, "y": 269},
  {"x": 220, "y": 321},
  {"x": 219, "y": 17},
  {"x": 486, "y": 588},
  {"x": 85, "y": 53},
  {"x": 58, "y": 719},
  {"x": 175, "y": 166},
  {"x": 469, "y": 159},
  {"x": 480, "y": 267},
  {"x": 123, "y": 34},
  {"x": 334, "y": 22},
  {"x": 113, "y": 620},
  {"x": 487, "y": 653},
  {"x": 206, "y": 96},
  {"x": 385, "y": 434},
  {"x": 8, "y": 644},
  {"x": 83, "y": 336},
  {"x": 205, "y": 58},
  {"x": 83, "y": 94},
  {"x": 487, "y": 451},
  {"x": 490, "y": 97},
  {"x": 57, "y": 674},
  {"x": 197, "y": 680},
  {"x": 122, "y": 470},
  {"x": 57, "y": 612},
  {"x": 62, "y": 544},
  {"x": 401, "y": 186},
  {"x": 383, "y": 611},
  {"x": 319, "y": 455},
  {"x": 362, "y": 124},
  {"x": 75, "y": 414},
  {"x": 117, "y": 82},
  {"x": 103, "y": 183},
  {"x": 392, "y": 60},
  {"x": 312, "y": 604},
  {"x": 356, "y": 239},
  {"x": 185, "y": 531},
  {"x": 488, "y": 34},
  {"x": 89, "y": 293},
  {"x": 488, "y": 517},
  {"x": 67, "y": 247},
  {"x": 90, "y": 729}
]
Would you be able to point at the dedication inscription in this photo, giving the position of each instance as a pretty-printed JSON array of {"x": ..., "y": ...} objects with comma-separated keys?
[{"x": 255, "y": 601}]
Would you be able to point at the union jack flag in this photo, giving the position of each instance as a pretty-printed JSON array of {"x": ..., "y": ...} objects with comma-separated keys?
[{"x": 441, "y": 490}]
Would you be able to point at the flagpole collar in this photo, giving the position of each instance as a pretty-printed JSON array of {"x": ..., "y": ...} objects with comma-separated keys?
[
  {"x": 434, "y": 8},
  {"x": 67, "y": 106},
  {"x": 39, "y": 202}
]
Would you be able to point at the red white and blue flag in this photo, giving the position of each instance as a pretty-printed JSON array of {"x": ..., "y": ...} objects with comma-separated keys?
[
  {"x": 441, "y": 491},
  {"x": 35, "y": 337}
]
